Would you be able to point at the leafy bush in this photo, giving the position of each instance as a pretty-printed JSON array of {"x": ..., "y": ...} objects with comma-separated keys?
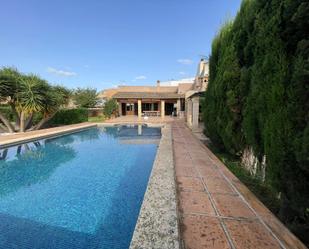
[
  {"x": 69, "y": 116},
  {"x": 110, "y": 107},
  {"x": 258, "y": 97}
]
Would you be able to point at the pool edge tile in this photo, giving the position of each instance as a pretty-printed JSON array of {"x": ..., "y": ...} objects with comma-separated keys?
[{"x": 157, "y": 225}]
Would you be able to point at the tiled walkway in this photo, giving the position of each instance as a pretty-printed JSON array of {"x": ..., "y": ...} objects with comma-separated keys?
[{"x": 214, "y": 212}]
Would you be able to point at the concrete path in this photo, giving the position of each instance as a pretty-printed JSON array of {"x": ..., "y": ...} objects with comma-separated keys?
[{"x": 216, "y": 209}]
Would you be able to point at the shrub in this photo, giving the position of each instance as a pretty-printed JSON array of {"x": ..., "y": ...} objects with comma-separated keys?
[
  {"x": 69, "y": 116},
  {"x": 110, "y": 107}
]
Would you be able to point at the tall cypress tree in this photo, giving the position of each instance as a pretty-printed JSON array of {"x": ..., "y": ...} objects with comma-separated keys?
[{"x": 258, "y": 97}]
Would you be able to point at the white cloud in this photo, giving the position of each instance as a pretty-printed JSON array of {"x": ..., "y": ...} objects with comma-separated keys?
[
  {"x": 182, "y": 73},
  {"x": 61, "y": 72},
  {"x": 185, "y": 61},
  {"x": 141, "y": 77}
]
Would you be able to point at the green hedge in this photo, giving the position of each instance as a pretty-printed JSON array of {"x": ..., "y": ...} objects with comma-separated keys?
[
  {"x": 69, "y": 116},
  {"x": 62, "y": 117},
  {"x": 258, "y": 97}
]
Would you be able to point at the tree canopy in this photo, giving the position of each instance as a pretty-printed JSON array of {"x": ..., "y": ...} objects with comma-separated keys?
[{"x": 85, "y": 97}]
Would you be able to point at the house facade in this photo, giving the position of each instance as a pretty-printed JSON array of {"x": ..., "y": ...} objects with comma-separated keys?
[{"x": 182, "y": 99}]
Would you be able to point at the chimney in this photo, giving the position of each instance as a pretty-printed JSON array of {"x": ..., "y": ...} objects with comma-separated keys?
[{"x": 158, "y": 85}]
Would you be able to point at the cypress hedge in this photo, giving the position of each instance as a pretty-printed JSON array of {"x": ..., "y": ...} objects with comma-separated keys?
[{"x": 258, "y": 98}]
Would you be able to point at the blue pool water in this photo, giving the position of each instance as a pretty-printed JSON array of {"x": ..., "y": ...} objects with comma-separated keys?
[{"x": 82, "y": 190}]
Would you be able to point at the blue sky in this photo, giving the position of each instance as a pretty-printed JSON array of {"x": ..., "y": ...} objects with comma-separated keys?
[{"x": 102, "y": 43}]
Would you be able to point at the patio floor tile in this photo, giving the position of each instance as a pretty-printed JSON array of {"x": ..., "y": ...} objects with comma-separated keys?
[
  {"x": 203, "y": 232},
  {"x": 195, "y": 202},
  {"x": 232, "y": 206},
  {"x": 207, "y": 171},
  {"x": 186, "y": 171},
  {"x": 218, "y": 185},
  {"x": 250, "y": 234},
  {"x": 191, "y": 183}
]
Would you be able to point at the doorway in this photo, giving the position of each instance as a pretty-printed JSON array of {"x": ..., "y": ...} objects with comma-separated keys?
[
  {"x": 129, "y": 109},
  {"x": 169, "y": 108}
]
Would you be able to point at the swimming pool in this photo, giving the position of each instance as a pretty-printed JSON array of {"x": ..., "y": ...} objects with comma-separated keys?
[{"x": 80, "y": 190}]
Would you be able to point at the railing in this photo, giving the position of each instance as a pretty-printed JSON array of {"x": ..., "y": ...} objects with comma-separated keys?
[{"x": 151, "y": 113}]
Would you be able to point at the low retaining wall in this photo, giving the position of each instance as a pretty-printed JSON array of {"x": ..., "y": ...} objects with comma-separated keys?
[{"x": 157, "y": 224}]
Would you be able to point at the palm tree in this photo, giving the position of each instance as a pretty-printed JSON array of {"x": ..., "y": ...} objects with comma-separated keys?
[
  {"x": 27, "y": 95},
  {"x": 9, "y": 82},
  {"x": 30, "y": 98},
  {"x": 56, "y": 98}
]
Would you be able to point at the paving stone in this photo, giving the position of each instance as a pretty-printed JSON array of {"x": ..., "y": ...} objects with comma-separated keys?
[
  {"x": 190, "y": 183},
  {"x": 195, "y": 202},
  {"x": 207, "y": 171},
  {"x": 232, "y": 206},
  {"x": 218, "y": 185},
  {"x": 250, "y": 235},
  {"x": 186, "y": 171},
  {"x": 203, "y": 232}
]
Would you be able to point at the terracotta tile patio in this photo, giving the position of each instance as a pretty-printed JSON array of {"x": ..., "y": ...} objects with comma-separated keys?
[{"x": 216, "y": 210}]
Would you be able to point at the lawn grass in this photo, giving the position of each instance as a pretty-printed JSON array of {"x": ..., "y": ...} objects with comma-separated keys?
[
  {"x": 262, "y": 190},
  {"x": 100, "y": 118}
]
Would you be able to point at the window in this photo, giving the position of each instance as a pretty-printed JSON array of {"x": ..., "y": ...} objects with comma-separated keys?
[
  {"x": 150, "y": 106},
  {"x": 129, "y": 107}
]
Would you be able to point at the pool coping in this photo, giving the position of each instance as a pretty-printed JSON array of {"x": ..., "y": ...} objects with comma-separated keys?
[
  {"x": 47, "y": 134},
  {"x": 157, "y": 225}
]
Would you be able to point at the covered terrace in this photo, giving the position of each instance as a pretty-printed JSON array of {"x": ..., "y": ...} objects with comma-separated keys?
[{"x": 156, "y": 104}]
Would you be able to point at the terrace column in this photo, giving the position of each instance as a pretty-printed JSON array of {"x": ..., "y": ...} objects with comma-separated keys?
[
  {"x": 195, "y": 112},
  {"x": 162, "y": 108},
  {"x": 189, "y": 112},
  {"x": 178, "y": 108},
  {"x": 139, "y": 108},
  {"x": 120, "y": 109}
]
